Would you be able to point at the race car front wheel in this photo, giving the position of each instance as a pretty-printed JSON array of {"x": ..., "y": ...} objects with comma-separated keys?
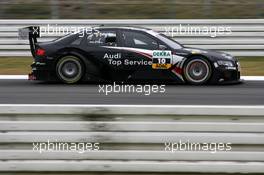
[
  {"x": 197, "y": 71},
  {"x": 69, "y": 69}
]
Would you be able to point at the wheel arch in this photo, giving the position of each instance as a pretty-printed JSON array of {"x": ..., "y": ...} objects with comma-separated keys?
[
  {"x": 90, "y": 66},
  {"x": 199, "y": 55}
]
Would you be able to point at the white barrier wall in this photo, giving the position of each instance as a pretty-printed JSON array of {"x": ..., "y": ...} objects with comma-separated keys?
[{"x": 128, "y": 142}]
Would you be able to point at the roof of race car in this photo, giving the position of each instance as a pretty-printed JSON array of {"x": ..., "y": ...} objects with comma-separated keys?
[{"x": 150, "y": 31}]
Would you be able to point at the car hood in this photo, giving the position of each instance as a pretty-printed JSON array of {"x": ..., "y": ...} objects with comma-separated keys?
[{"x": 212, "y": 55}]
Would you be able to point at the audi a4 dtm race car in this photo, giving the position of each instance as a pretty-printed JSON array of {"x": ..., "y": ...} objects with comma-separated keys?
[{"x": 126, "y": 54}]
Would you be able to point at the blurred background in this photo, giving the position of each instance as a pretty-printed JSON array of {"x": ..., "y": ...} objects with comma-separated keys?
[{"x": 128, "y": 9}]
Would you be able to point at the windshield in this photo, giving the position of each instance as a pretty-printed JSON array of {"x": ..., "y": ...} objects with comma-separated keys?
[{"x": 170, "y": 42}]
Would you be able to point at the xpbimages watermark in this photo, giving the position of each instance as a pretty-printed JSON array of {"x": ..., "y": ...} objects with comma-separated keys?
[
  {"x": 146, "y": 89},
  {"x": 211, "y": 31},
  {"x": 192, "y": 146},
  {"x": 63, "y": 30},
  {"x": 54, "y": 146}
]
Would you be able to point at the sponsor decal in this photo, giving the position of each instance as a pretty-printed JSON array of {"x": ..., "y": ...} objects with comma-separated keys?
[
  {"x": 112, "y": 56},
  {"x": 161, "y": 59}
]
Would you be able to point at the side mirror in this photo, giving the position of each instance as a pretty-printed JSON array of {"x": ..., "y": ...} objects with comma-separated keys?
[{"x": 162, "y": 47}]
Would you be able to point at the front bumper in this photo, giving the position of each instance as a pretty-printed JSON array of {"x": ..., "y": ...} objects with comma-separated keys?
[{"x": 225, "y": 75}]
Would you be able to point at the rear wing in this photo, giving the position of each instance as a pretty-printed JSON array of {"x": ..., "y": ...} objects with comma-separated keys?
[{"x": 30, "y": 33}]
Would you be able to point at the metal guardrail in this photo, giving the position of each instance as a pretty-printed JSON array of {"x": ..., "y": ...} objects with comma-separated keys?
[
  {"x": 129, "y": 142},
  {"x": 246, "y": 37}
]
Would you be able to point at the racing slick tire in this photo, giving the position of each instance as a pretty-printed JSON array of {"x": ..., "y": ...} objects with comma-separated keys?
[
  {"x": 69, "y": 69},
  {"x": 197, "y": 71}
]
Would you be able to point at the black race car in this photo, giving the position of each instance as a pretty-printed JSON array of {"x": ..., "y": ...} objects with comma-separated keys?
[{"x": 125, "y": 54}]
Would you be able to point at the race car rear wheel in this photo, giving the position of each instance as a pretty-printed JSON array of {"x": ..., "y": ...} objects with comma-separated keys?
[
  {"x": 69, "y": 69},
  {"x": 197, "y": 71}
]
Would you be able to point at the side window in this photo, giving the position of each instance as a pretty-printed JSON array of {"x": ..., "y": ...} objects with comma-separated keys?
[
  {"x": 102, "y": 38},
  {"x": 139, "y": 40}
]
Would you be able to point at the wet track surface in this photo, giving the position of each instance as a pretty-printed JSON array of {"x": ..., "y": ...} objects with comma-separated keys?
[{"x": 27, "y": 92}]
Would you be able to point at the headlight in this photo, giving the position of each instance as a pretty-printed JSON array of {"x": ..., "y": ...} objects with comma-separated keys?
[{"x": 225, "y": 63}]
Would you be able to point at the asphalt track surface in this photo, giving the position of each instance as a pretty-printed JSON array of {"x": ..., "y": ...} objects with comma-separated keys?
[{"x": 30, "y": 92}]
